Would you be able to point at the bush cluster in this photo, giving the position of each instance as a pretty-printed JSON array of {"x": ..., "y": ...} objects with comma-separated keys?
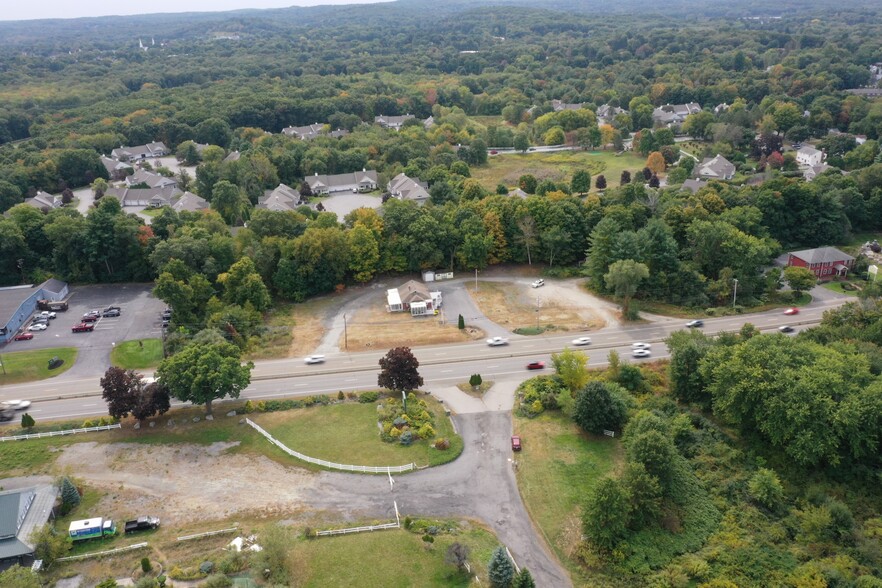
[
  {"x": 406, "y": 427},
  {"x": 99, "y": 422},
  {"x": 280, "y": 405},
  {"x": 539, "y": 394}
]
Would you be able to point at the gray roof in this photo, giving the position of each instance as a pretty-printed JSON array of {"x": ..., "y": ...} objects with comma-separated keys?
[
  {"x": 392, "y": 121},
  {"x": 113, "y": 165},
  {"x": 281, "y": 199},
  {"x": 11, "y": 298},
  {"x": 190, "y": 202},
  {"x": 675, "y": 112},
  {"x": 151, "y": 179},
  {"x": 716, "y": 167},
  {"x": 317, "y": 182},
  {"x": 405, "y": 188},
  {"x": 22, "y": 511},
  {"x": 132, "y": 196},
  {"x": 155, "y": 149},
  {"x": 559, "y": 105},
  {"x": 233, "y": 156},
  {"x": 54, "y": 286},
  {"x": 304, "y": 133},
  {"x": 44, "y": 200},
  {"x": 822, "y": 255},
  {"x": 693, "y": 185},
  {"x": 518, "y": 193}
]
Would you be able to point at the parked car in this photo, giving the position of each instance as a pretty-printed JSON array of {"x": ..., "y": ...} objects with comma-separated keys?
[
  {"x": 310, "y": 359},
  {"x": 112, "y": 308},
  {"x": 40, "y": 321},
  {"x": 166, "y": 314},
  {"x": 638, "y": 353},
  {"x": 16, "y": 404},
  {"x": 582, "y": 341},
  {"x": 640, "y": 346},
  {"x": 493, "y": 152},
  {"x": 496, "y": 341},
  {"x": 23, "y": 337},
  {"x": 38, "y": 327},
  {"x": 694, "y": 324},
  {"x": 515, "y": 443},
  {"x": 91, "y": 318},
  {"x": 538, "y": 283},
  {"x": 791, "y": 311},
  {"x": 47, "y": 314},
  {"x": 93, "y": 312},
  {"x": 111, "y": 312},
  {"x": 536, "y": 365},
  {"x": 83, "y": 327},
  {"x": 785, "y": 329}
]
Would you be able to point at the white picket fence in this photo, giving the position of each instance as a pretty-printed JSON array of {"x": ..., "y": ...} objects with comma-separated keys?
[
  {"x": 57, "y": 433},
  {"x": 208, "y": 534},
  {"x": 357, "y": 529},
  {"x": 330, "y": 464},
  {"x": 100, "y": 553}
]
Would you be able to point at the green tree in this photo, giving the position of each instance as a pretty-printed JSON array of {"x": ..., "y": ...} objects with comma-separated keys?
[
  {"x": 202, "y": 373},
  {"x": 242, "y": 284},
  {"x": 572, "y": 368},
  {"x": 581, "y": 182},
  {"x": 528, "y": 183},
  {"x": 786, "y": 115},
  {"x": 460, "y": 322},
  {"x": 765, "y": 488},
  {"x": 623, "y": 278},
  {"x": 475, "y": 381},
  {"x": 229, "y": 200},
  {"x": 49, "y": 545},
  {"x": 521, "y": 142},
  {"x": 698, "y": 124},
  {"x": 19, "y": 577},
  {"x": 644, "y": 495},
  {"x": 500, "y": 570},
  {"x": 70, "y": 497},
  {"x": 599, "y": 407},
  {"x": 688, "y": 348},
  {"x": 399, "y": 370},
  {"x": 799, "y": 279},
  {"x": 656, "y": 452},
  {"x": 524, "y": 580},
  {"x": 606, "y": 515},
  {"x": 364, "y": 252},
  {"x": 601, "y": 252}
]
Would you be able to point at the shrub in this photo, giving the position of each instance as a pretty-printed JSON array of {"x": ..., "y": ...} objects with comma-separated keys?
[
  {"x": 309, "y": 533},
  {"x": 351, "y": 395},
  {"x": 369, "y": 397},
  {"x": 161, "y": 581},
  {"x": 408, "y": 522},
  {"x": 145, "y": 565},
  {"x": 406, "y": 438},
  {"x": 460, "y": 322},
  {"x": 340, "y": 395},
  {"x": 249, "y": 407},
  {"x": 428, "y": 539},
  {"x": 765, "y": 488},
  {"x": 27, "y": 421},
  {"x": 426, "y": 432},
  {"x": 475, "y": 380},
  {"x": 233, "y": 563},
  {"x": 206, "y": 567},
  {"x": 217, "y": 581},
  {"x": 146, "y": 583},
  {"x": 442, "y": 444},
  {"x": 710, "y": 311}
]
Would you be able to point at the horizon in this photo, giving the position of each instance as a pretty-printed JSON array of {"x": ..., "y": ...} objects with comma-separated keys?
[{"x": 58, "y": 9}]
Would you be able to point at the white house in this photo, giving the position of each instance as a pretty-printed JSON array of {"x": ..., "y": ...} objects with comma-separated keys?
[
  {"x": 415, "y": 297},
  {"x": 809, "y": 156}
]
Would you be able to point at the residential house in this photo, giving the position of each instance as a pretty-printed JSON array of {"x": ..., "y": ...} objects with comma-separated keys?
[
  {"x": 232, "y": 156},
  {"x": 189, "y": 202},
  {"x": 405, "y": 188},
  {"x": 558, "y": 106},
  {"x": 810, "y": 172},
  {"x": 116, "y": 169},
  {"x": 44, "y": 201},
  {"x": 429, "y": 123},
  {"x": 721, "y": 108},
  {"x": 809, "y": 156},
  {"x": 305, "y": 133},
  {"x": 155, "y": 149},
  {"x": 22, "y": 512},
  {"x": 151, "y": 180},
  {"x": 860, "y": 139},
  {"x": 674, "y": 114},
  {"x": 283, "y": 198},
  {"x": 824, "y": 262},
  {"x": 415, "y": 297},
  {"x": 363, "y": 181},
  {"x": 392, "y": 122},
  {"x": 716, "y": 168},
  {"x": 606, "y": 114},
  {"x": 693, "y": 185},
  {"x": 518, "y": 193},
  {"x": 146, "y": 197}
]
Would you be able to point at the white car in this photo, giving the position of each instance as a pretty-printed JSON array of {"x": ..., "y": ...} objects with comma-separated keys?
[
  {"x": 309, "y": 359},
  {"x": 16, "y": 404},
  {"x": 496, "y": 341},
  {"x": 582, "y": 341},
  {"x": 641, "y": 353},
  {"x": 48, "y": 314},
  {"x": 37, "y": 327},
  {"x": 538, "y": 283},
  {"x": 643, "y": 346}
]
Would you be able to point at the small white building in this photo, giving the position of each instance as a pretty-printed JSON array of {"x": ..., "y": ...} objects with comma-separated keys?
[
  {"x": 809, "y": 156},
  {"x": 415, "y": 297}
]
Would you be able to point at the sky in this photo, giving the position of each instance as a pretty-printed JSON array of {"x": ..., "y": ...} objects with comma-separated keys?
[{"x": 14, "y": 10}]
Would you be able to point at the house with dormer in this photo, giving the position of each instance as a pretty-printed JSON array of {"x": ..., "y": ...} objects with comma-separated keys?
[
  {"x": 674, "y": 114},
  {"x": 715, "y": 168},
  {"x": 405, "y": 188},
  {"x": 282, "y": 198},
  {"x": 360, "y": 181},
  {"x": 139, "y": 152},
  {"x": 44, "y": 201},
  {"x": 392, "y": 122},
  {"x": 150, "y": 179}
]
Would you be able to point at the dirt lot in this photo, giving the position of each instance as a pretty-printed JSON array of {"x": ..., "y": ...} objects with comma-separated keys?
[
  {"x": 371, "y": 327},
  {"x": 159, "y": 479},
  {"x": 560, "y": 304}
]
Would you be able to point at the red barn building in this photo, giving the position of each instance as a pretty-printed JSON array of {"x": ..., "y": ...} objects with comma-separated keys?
[{"x": 824, "y": 262}]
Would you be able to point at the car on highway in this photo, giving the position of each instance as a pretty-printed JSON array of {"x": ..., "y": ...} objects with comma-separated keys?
[
  {"x": 23, "y": 337},
  {"x": 515, "y": 443},
  {"x": 83, "y": 327},
  {"x": 636, "y": 346},
  {"x": 641, "y": 353},
  {"x": 791, "y": 311},
  {"x": 497, "y": 341},
  {"x": 694, "y": 324},
  {"x": 16, "y": 404},
  {"x": 111, "y": 312},
  {"x": 538, "y": 283},
  {"x": 310, "y": 359},
  {"x": 785, "y": 329},
  {"x": 536, "y": 365},
  {"x": 38, "y": 327},
  {"x": 582, "y": 341}
]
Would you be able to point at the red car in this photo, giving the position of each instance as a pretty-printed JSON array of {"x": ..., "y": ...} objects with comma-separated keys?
[
  {"x": 536, "y": 365},
  {"x": 83, "y": 327},
  {"x": 23, "y": 337},
  {"x": 792, "y": 311},
  {"x": 515, "y": 443},
  {"x": 90, "y": 318}
]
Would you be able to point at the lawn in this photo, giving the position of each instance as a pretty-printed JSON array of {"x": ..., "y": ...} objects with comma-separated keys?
[
  {"x": 29, "y": 366},
  {"x": 837, "y": 287},
  {"x": 137, "y": 354},
  {"x": 557, "y": 166},
  {"x": 348, "y": 434},
  {"x": 151, "y": 212},
  {"x": 557, "y": 467},
  {"x": 393, "y": 558}
]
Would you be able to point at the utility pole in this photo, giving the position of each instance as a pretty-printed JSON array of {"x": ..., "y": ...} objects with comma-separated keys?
[
  {"x": 476, "y": 280},
  {"x": 538, "y": 306},
  {"x": 735, "y": 293},
  {"x": 345, "y": 335}
]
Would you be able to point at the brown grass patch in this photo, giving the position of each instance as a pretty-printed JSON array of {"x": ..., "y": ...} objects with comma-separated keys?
[
  {"x": 374, "y": 328},
  {"x": 514, "y": 306},
  {"x": 293, "y": 330}
]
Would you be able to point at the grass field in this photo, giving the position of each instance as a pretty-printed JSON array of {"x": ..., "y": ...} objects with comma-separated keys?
[
  {"x": 558, "y": 166},
  {"x": 837, "y": 287},
  {"x": 348, "y": 434},
  {"x": 557, "y": 467},
  {"x": 137, "y": 354},
  {"x": 29, "y": 366},
  {"x": 514, "y": 306}
]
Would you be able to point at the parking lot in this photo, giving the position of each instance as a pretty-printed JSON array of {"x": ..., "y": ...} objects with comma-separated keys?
[{"x": 139, "y": 319}]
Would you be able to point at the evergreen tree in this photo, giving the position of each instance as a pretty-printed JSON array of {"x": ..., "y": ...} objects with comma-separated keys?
[
  {"x": 70, "y": 498},
  {"x": 524, "y": 580},
  {"x": 500, "y": 569},
  {"x": 625, "y": 178},
  {"x": 27, "y": 421}
]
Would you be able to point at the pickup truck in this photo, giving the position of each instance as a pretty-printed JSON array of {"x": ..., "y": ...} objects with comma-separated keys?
[
  {"x": 141, "y": 524},
  {"x": 81, "y": 327}
]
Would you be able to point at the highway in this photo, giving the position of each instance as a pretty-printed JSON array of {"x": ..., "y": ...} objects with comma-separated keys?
[{"x": 442, "y": 365}]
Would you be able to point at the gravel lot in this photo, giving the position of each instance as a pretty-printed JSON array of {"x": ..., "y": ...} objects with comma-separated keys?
[{"x": 139, "y": 319}]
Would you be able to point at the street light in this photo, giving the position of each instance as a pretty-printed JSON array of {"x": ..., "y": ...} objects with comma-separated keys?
[{"x": 735, "y": 293}]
